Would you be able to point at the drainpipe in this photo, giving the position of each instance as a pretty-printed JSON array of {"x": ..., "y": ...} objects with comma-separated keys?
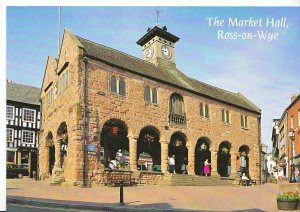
[
  {"x": 84, "y": 120},
  {"x": 260, "y": 147}
]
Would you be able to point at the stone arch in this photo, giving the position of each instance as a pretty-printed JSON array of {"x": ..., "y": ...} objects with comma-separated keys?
[
  {"x": 114, "y": 137},
  {"x": 117, "y": 117},
  {"x": 243, "y": 159},
  {"x": 62, "y": 136},
  {"x": 149, "y": 142},
  {"x": 177, "y": 147},
  {"x": 224, "y": 159},
  {"x": 202, "y": 152},
  {"x": 51, "y": 151}
]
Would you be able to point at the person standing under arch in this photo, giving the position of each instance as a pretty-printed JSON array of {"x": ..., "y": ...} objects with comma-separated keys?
[{"x": 206, "y": 167}]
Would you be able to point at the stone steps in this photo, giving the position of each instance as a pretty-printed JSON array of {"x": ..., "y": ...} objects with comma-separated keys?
[{"x": 191, "y": 180}]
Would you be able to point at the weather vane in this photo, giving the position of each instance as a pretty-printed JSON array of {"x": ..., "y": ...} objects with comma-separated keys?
[{"x": 157, "y": 12}]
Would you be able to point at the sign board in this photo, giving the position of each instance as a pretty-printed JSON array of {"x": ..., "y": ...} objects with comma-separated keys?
[
  {"x": 91, "y": 149},
  {"x": 27, "y": 149}
]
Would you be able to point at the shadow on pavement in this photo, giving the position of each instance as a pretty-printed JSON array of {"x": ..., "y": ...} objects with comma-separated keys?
[{"x": 78, "y": 205}]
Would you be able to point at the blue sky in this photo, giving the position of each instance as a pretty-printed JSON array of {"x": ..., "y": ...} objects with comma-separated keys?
[{"x": 265, "y": 72}]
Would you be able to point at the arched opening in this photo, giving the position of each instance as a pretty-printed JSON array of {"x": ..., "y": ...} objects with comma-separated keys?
[
  {"x": 114, "y": 138},
  {"x": 243, "y": 159},
  {"x": 51, "y": 149},
  {"x": 177, "y": 147},
  {"x": 224, "y": 159},
  {"x": 202, "y": 153},
  {"x": 148, "y": 145},
  {"x": 62, "y": 134}
]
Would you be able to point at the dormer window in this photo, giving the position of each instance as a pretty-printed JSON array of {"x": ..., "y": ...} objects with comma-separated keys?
[{"x": 177, "y": 114}]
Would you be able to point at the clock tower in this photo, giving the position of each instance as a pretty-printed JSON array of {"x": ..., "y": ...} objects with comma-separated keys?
[{"x": 158, "y": 46}]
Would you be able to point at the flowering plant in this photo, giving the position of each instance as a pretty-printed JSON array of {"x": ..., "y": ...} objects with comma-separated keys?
[{"x": 289, "y": 196}]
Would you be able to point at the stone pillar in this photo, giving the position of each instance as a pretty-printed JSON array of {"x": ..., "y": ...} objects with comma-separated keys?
[
  {"x": 133, "y": 153},
  {"x": 191, "y": 159},
  {"x": 19, "y": 158},
  {"x": 214, "y": 171},
  {"x": 164, "y": 157},
  {"x": 57, "y": 144},
  {"x": 233, "y": 165}
]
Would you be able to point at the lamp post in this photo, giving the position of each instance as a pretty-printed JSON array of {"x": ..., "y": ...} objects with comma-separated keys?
[{"x": 292, "y": 137}]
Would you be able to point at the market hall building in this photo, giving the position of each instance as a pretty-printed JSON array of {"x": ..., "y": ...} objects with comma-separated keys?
[{"x": 97, "y": 100}]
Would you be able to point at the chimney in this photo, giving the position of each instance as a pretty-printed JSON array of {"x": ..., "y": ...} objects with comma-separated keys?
[{"x": 294, "y": 96}]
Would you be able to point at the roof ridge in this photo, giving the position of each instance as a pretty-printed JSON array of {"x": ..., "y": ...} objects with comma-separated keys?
[
  {"x": 136, "y": 58},
  {"x": 23, "y": 85}
]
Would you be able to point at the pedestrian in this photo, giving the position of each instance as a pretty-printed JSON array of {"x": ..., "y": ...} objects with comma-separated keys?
[
  {"x": 184, "y": 166},
  {"x": 206, "y": 167},
  {"x": 245, "y": 179},
  {"x": 119, "y": 154},
  {"x": 243, "y": 163},
  {"x": 112, "y": 164},
  {"x": 172, "y": 164}
]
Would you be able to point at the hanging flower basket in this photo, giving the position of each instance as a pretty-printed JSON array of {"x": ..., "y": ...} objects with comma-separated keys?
[{"x": 65, "y": 140}]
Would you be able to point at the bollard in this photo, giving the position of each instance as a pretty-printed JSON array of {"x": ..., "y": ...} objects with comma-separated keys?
[{"x": 121, "y": 193}]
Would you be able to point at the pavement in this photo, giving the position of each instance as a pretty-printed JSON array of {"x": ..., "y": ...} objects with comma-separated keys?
[{"x": 28, "y": 191}]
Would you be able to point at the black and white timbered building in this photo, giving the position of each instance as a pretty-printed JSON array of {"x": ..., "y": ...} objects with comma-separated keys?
[{"x": 22, "y": 124}]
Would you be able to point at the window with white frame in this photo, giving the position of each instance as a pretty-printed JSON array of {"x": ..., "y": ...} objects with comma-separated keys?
[
  {"x": 244, "y": 121},
  {"x": 9, "y": 135},
  {"x": 64, "y": 80},
  {"x": 226, "y": 116},
  {"x": 204, "y": 110},
  {"x": 28, "y": 136},
  {"x": 10, "y": 112},
  {"x": 28, "y": 115}
]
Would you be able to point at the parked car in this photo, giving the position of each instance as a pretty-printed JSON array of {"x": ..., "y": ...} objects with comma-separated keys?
[{"x": 14, "y": 170}]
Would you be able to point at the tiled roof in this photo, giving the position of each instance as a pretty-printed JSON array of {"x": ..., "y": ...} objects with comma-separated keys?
[
  {"x": 22, "y": 93},
  {"x": 170, "y": 76}
]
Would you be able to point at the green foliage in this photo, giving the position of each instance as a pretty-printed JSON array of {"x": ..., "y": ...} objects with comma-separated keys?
[{"x": 289, "y": 196}]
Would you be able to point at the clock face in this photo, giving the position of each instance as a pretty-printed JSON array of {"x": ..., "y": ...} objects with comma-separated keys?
[
  {"x": 149, "y": 53},
  {"x": 166, "y": 52}
]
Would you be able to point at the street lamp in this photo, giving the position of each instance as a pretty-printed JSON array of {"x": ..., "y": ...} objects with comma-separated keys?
[{"x": 292, "y": 137}]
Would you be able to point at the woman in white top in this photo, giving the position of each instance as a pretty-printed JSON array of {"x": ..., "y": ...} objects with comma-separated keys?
[{"x": 172, "y": 164}]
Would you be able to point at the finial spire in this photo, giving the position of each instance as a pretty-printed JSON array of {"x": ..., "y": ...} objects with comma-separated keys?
[{"x": 157, "y": 12}]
